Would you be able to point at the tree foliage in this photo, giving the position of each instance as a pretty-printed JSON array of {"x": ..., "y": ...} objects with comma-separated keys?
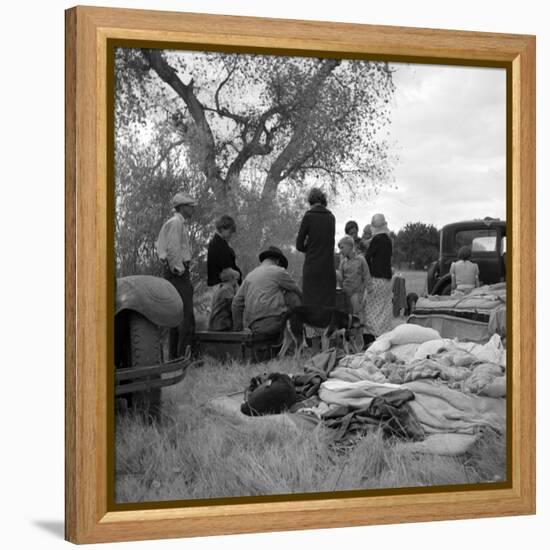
[
  {"x": 417, "y": 244},
  {"x": 242, "y": 133}
]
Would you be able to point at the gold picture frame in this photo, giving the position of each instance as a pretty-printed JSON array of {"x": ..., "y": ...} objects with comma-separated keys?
[{"x": 90, "y": 32}]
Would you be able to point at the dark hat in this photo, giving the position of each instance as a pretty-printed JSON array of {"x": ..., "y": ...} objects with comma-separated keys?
[{"x": 274, "y": 252}]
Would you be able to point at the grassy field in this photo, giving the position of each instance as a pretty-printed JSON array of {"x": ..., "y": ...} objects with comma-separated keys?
[
  {"x": 198, "y": 453},
  {"x": 415, "y": 281}
]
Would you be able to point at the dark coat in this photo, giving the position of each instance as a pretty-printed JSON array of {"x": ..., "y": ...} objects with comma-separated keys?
[
  {"x": 379, "y": 256},
  {"x": 316, "y": 239},
  {"x": 220, "y": 256}
]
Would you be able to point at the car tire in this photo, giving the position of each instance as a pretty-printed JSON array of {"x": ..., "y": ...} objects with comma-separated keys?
[
  {"x": 431, "y": 278},
  {"x": 144, "y": 351}
]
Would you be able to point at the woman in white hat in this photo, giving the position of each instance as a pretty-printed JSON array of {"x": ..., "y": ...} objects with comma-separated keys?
[{"x": 377, "y": 301}]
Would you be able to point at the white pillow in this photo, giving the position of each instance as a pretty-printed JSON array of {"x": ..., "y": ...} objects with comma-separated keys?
[
  {"x": 380, "y": 345},
  {"x": 432, "y": 346},
  {"x": 410, "y": 334},
  {"x": 413, "y": 334}
]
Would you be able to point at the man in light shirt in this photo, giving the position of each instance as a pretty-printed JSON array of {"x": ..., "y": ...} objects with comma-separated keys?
[{"x": 174, "y": 251}]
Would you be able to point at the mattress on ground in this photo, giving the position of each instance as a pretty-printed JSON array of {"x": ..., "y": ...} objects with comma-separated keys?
[
  {"x": 463, "y": 316},
  {"x": 452, "y": 326}
]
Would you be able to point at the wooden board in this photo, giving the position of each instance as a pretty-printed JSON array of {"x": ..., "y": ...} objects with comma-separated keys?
[
  {"x": 90, "y": 517},
  {"x": 239, "y": 345}
]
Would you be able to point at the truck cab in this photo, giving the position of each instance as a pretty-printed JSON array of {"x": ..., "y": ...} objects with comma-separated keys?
[{"x": 486, "y": 237}]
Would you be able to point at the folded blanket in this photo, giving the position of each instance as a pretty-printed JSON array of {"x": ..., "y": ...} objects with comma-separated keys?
[
  {"x": 438, "y": 408},
  {"x": 441, "y": 409},
  {"x": 358, "y": 395}
]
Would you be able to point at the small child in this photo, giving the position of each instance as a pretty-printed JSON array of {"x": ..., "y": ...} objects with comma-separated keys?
[
  {"x": 353, "y": 273},
  {"x": 464, "y": 273},
  {"x": 220, "y": 316}
]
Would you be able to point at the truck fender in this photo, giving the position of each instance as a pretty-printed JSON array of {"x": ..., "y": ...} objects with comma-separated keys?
[{"x": 441, "y": 284}]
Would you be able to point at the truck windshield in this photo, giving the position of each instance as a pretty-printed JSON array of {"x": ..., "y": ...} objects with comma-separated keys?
[{"x": 481, "y": 240}]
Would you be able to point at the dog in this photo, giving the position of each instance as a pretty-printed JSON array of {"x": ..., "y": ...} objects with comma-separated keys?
[
  {"x": 333, "y": 321},
  {"x": 412, "y": 298}
]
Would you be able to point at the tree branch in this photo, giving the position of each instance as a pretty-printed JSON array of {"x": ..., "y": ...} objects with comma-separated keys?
[
  {"x": 165, "y": 154},
  {"x": 222, "y": 111},
  {"x": 311, "y": 94},
  {"x": 196, "y": 109},
  {"x": 254, "y": 147}
]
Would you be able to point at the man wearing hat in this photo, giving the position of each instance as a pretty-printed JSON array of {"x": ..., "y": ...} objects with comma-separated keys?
[
  {"x": 174, "y": 251},
  {"x": 264, "y": 297}
]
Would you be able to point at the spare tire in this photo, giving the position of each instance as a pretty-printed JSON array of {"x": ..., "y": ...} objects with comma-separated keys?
[{"x": 143, "y": 350}]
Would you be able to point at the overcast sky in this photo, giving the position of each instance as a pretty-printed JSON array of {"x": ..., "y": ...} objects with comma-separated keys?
[{"x": 449, "y": 133}]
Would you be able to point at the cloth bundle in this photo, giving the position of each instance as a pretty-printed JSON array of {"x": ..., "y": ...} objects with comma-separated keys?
[
  {"x": 390, "y": 412},
  {"x": 276, "y": 392},
  {"x": 439, "y": 409}
]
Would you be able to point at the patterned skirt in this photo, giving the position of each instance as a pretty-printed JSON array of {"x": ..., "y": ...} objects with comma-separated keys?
[{"x": 378, "y": 307}]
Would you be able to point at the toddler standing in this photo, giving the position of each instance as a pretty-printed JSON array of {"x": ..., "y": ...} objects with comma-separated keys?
[
  {"x": 353, "y": 273},
  {"x": 220, "y": 316}
]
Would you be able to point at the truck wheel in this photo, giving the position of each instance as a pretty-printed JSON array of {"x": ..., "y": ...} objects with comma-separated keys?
[
  {"x": 144, "y": 351},
  {"x": 431, "y": 278}
]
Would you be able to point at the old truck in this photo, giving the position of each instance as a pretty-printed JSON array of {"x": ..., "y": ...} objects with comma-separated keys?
[
  {"x": 486, "y": 237},
  {"x": 145, "y": 306}
]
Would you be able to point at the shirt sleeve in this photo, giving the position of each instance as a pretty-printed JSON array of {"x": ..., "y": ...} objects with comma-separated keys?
[
  {"x": 452, "y": 273},
  {"x": 174, "y": 245},
  {"x": 301, "y": 239},
  {"x": 452, "y": 269},
  {"x": 372, "y": 249},
  {"x": 367, "y": 281},
  {"x": 476, "y": 275},
  {"x": 237, "y": 308},
  {"x": 287, "y": 283}
]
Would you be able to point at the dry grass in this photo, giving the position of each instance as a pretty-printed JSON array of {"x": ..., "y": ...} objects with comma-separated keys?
[{"x": 198, "y": 453}]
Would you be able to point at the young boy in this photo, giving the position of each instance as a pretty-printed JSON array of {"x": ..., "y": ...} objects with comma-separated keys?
[
  {"x": 220, "y": 316},
  {"x": 354, "y": 274}
]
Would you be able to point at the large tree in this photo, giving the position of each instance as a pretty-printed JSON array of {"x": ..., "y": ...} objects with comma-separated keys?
[
  {"x": 245, "y": 132},
  {"x": 417, "y": 244}
]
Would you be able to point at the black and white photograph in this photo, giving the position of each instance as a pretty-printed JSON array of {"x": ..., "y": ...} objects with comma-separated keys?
[{"x": 310, "y": 262}]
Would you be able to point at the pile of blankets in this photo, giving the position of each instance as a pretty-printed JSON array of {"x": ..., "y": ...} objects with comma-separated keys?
[
  {"x": 432, "y": 394},
  {"x": 458, "y": 388}
]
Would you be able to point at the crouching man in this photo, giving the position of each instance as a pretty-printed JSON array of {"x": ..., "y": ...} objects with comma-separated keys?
[{"x": 266, "y": 295}]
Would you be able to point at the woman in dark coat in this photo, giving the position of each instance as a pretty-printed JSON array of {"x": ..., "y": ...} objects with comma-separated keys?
[
  {"x": 220, "y": 254},
  {"x": 377, "y": 302},
  {"x": 316, "y": 240}
]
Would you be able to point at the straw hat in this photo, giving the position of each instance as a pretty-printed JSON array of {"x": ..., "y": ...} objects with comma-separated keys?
[{"x": 379, "y": 224}]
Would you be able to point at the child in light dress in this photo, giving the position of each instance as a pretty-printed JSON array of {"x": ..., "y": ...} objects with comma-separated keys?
[
  {"x": 353, "y": 274},
  {"x": 464, "y": 273}
]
